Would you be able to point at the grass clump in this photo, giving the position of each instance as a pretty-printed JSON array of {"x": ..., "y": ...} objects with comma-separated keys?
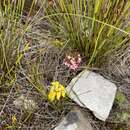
[
  {"x": 94, "y": 27},
  {"x": 11, "y": 39}
]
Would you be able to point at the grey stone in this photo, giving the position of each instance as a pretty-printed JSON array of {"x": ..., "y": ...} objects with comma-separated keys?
[
  {"x": 94, "y": 92},
  {"x": 75, "y": 120}
]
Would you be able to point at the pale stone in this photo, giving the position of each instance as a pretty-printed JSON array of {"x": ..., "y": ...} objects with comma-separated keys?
[
  {"x": 94, "y": 92},
  {"x": 26, "y": 104},
  {"x": 75, "y": 120}
]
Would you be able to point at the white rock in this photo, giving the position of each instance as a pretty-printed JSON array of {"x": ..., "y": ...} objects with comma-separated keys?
[
  {"x": 75, "y": 120},
  {"x": 94, "y": 92}
]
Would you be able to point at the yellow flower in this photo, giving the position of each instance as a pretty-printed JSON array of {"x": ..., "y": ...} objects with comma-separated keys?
[
  {"x": 14, "y": 119},
  {"x": 56, "y": 91}
]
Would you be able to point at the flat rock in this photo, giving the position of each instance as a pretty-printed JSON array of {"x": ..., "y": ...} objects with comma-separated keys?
[
  {"x": 75, "y": 120},
  {"x": 94, "y": 92}
]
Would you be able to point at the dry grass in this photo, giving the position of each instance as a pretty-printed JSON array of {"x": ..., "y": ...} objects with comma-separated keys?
[{"x": 118, "y": 70}]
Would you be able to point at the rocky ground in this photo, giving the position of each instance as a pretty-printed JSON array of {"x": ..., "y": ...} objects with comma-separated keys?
[{"x": 44, "y": 115}]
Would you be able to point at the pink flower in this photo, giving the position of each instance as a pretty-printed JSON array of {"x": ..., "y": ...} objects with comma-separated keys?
[{"x": 73, "y": 61}]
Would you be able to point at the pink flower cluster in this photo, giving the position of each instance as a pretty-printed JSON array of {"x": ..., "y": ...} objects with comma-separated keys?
[{"x": 72, "y": 61}]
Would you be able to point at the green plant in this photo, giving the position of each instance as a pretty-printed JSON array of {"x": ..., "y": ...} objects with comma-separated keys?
[
  {"x": 123, "y": 117},
  {"x": 34, "y": 73},
  {"x": 13, "y": 42},
  {"x": 120, "y": 98},
  {"x": 57, "y": 91},
  {"x": 10, "y": 38},
  {"x": 124, "y": 114},
  {"x": 95, "y": 27}
]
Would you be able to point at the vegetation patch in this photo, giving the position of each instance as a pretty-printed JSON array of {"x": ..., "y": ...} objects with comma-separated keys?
[{"x": 44, "y": 44}]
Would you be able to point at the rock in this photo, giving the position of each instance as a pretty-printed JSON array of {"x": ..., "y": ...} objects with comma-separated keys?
[
  {"x": 26, "y": 104},
  {"x": 75, "y": 120},
  {"x": 94, "y": 92}
]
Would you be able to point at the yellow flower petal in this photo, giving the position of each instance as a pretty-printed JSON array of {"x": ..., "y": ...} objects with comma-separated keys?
[
  {"x": 62, "y": 88},
  {"x": 52, "y": 88},
  {"x": 58, "y": 95},
  {"x": 55, "y": 84},
  {"x": 63, "y": 94},
  {"x": 52, "y": 96},
  {"x": 56, "y": 91},
  {"x": 14, "y": 119}
]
